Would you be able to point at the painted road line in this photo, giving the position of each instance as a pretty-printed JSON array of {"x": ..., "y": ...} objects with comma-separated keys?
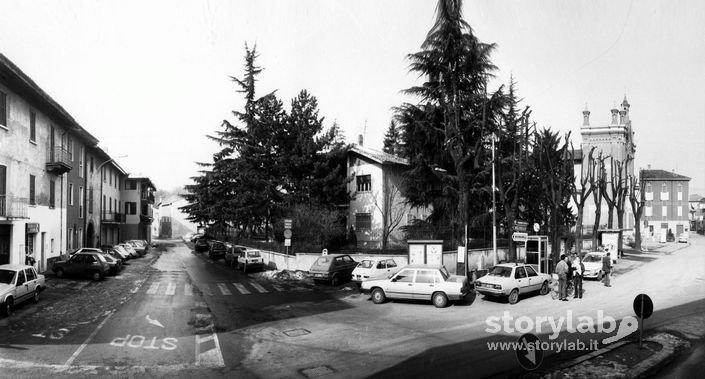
[
  {"x": 188, "y": 290},
  {"x": 278, "y": 288},
  {"x": 206, "y": 290},
  {"x": 208, "y": 351},
  {"x": 223, "y": 289},
  {"x": 153, "y": 288},
  {"x": 258, "y": 287},
  {"x": 241, "y": 288},
  {"x": 87, "y": 341},
  {"x": 170, "y": 288}
]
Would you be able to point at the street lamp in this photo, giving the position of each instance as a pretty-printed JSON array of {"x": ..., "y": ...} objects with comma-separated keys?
[{"x": 100, "y": 198}]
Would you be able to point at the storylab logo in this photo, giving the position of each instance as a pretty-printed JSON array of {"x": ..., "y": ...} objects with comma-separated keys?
[{"x": 582, "y": 324}]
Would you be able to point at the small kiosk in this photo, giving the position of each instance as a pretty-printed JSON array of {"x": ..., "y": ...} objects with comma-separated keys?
[{"x": 537, "y": 254}]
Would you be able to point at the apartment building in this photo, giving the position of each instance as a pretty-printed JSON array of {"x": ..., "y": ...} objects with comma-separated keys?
[
  {"x": 138, "y": 197},
  {"x": 666, "y": 208}
]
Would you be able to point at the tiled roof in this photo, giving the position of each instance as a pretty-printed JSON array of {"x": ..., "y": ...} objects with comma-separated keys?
[
  {"x": 378, "y": 156},
  {"x": 695, "y": 197},
  {"x": 662, "y": 175}
]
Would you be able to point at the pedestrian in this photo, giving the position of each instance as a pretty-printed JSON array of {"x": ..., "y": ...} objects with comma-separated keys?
[
  {"x": 607, "y": 269},
  {"x": 562, "y": 271},
  {"x": 578, "y": 269}
]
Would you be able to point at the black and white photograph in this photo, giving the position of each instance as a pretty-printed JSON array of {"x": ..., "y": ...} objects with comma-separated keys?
[{"x": 352, "y": 189}]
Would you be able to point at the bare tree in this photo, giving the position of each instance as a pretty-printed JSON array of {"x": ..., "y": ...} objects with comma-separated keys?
[
  {"x": 598, "y": 183},
  {"x": 392, "y": 207},
  {"x": 620, "y": 188},
  {"x": 636, "y": 199},
  {"x": 580, "y": 196}
]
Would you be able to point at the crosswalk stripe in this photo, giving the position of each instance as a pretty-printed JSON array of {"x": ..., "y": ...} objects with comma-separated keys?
[
  {"x": 206, "y": 290},
  {"x": 241, "y": 288},
  {"x": 188, "y": 290},
  {"x": 223, "y": 289},
  {"x": 258, "y": 287},
  {"x": 276, "y": 287},
  {"x": 153, "y": 288},
  {"x": 170, "y": 288}
]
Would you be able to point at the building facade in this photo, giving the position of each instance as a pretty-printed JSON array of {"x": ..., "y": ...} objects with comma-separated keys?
[
  {"x": 138, "y": 199},
  {"x": 666, "y": 208}
]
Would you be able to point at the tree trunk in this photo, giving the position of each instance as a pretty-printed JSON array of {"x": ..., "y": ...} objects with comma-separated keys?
[
  {"x": 596, "y": 226},
  {"x": 579, "y": 230},
  {"x": 620, "y": 225},
  {"x": 610, "y": 216}
]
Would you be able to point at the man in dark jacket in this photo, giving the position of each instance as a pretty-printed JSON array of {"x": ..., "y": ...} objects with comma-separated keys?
[{"x": 607, "y": 269}]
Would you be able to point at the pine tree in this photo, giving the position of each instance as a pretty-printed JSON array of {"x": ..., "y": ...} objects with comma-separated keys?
[{"x": 392, "y": 140}]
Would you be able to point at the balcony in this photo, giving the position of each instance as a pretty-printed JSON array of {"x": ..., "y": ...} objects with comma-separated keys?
[
  {"x": 59, "y": 161},
  {"x": 12, "y": 207},
  {"x": 146, "y": 219},
  {"x": 113, "y": 218},
  {"x": 148, "y": 197}
]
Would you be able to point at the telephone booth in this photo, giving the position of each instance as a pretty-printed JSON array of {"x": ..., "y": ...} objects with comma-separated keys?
[{"x": 537, "y": 254}]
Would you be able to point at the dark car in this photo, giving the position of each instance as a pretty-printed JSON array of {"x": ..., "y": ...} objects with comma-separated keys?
[
  {"x": 114, "y": 263},
  {"x": 334, "y": 268},
  {"x": 201, "y": 245},
  {"x": 216, "y": 250},
  {"x": 85, "y": 263}
]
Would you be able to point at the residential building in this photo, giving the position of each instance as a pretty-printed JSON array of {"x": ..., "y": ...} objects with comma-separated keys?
[
  {"x": 696, "y": 203},
  {"x": 666, "y": 208},
  {"x": 138, "y": 199},
  {"x": 377, "y": 202},
  {"x": 104, "y": 182},
  {"x": 173, "y": 222},
  {"x": 37, "y": 162}
]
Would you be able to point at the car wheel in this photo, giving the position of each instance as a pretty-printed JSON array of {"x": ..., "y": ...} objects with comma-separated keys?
[
  {"x": 36, "y": 295},
  {"x": 7, "y": 308},
  {"x": 378, "y": 296},
  {"x": 96, "y": 275},
  {"x": 513, "y": 296},
  {"x": 440, "y": 300},
  {"x": 544, "y": 288},
  {"x": 335, "y": 281},
  {"x": 60, "y": 273}
]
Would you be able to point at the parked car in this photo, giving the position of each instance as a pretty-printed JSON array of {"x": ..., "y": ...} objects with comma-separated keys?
[
  {"x": 511, "y": 280},
  {"x": 249, "y": 259},
  {"x": 194, "y": 237},
  {"x": 683, "y": 237},
  {"x": 122, "y": 251},
  {"x": 419, "y": 282},
  {"x": 334, "y": 268},
  {"x": 141, "y": 247},
  {"x": 374, "y": 268},
  {"x": 231, "y": 253},
  {"x": 115, "y": 264},
  {"x": 18, "y": 283},
  {"x": 201, "y": 245},
  {"x": 130, "y": 250},
  {"x": 216, "y": 250},
  {"x": 115, "y": 253},
  {"x": 86, "y": 263}
]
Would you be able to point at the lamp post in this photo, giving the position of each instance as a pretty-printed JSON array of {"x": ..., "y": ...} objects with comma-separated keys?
[{"x": 100, "y": 198}]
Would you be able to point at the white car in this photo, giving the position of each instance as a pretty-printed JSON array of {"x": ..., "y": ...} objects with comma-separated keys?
[
  {"x": 374, "y": 268},
  {"x": 683, "y": 237},
  {"x": 593, "y": 265},
  {"x": 419, "y": 282},
  {"x": 18, "y": 283},
  {"x": 511, "y": 280}
]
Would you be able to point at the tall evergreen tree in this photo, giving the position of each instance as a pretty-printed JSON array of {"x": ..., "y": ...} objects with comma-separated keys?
[{"x": 392, "y": 140}]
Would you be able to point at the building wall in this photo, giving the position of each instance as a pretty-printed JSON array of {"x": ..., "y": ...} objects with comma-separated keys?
[{"x": 658, "y": 224}]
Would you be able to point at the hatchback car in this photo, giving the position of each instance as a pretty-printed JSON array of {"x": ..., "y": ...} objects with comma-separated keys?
[
  {"x": 201, "y": 245},
  {"x": 593, "y": 265},
  {"x": 141, "y": 247},
  {"x": 249, "y": 259},
  {"x": 130, "y": 250},
  {"x": 334, "y": 268},
  {"x": 419, "y": 282},
  {"x": 114, "y": 263},
  {"x": 511, "y": 280},
  {"x": 18, "y": 283},
  {"x": 216, "y": 250},
  {"x": 374, "y": 268},
  {"x": 86, "y": 263}
]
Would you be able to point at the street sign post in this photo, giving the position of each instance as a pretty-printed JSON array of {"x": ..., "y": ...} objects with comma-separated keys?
[
  {"x": 644, "y": 308},
  {"x": 529, "y": 353},
  {"x": 287, "y": 223},
  {"x": 287, "y": 233},
  {"x": 287, "y": 242},
  {"x": 520, "y": 237}
]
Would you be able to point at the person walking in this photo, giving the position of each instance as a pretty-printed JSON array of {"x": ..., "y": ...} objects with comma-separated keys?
[
  {"x": 562, "y": 271},
  {"x": 578, "y": 269},
  {"x": 607, "y": 269}
]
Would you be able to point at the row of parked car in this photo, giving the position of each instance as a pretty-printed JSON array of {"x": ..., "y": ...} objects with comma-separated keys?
[
  {"x": 98, "y": 263},
  {"x": 240, "y": 257}
]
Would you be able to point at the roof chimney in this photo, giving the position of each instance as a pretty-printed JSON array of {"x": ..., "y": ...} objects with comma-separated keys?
[{"x": 359, "y": 139}]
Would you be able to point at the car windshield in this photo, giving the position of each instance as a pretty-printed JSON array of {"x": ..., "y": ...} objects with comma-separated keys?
[
  {"x": 323, "y": 262},
  {"x": 366, "y": 263},
  {"x": 501, "y": 271},
  {"x": 6, "y": 276},
  {"x": 444, "y": 273},
  {"x": 592, "y": 258}
]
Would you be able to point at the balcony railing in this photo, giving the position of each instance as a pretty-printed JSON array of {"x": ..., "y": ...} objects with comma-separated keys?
[
  {"x": 13, "y": 207},
  {"x": 113, "y": 217},
  {"x": 59, "y": 160},
  {"x": 148, "y": 197}
]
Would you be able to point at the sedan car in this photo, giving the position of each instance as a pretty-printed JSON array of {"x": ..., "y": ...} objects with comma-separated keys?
[
  {"x": 374, "y": 268},
  {"x": 130, "y": 250},
  {"x": 141, "y": 247},
  {"x": 115, "y": 263},
  {"x": 683, "y": 237},
  {"x": 18, "y": 283},
  {"x": 511, "y": 280},
  {"x": 334, "y": 268},
  {"x": 86, "y": 263},
  {"x": 419, "y": 282}
]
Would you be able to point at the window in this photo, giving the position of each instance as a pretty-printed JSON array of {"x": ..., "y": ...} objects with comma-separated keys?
[
  {"x": 32, "y": 200},
  {"x": 130, "y": 207},
  {"x": 664, "y": 211},
  {"x": 680, "y": 211},
  {"x": 364, "y": 183},
  {"x": 69, "y": 147},
  {"x": 20, "y": 278},
  {"x": 32, "y": 126},
  {"x": 81, "y": 157},
  {"x": 133, "y": 185},
  {"x": 680, "y": 192},
  {"x": 69, "y": 240},
  {"x": 90, "y": 200},
  {"x": 29, "y": 273},
  {"x": 91, "y": 164},
  {"x": 405, "y": 276},
  {"x": 391, "y": 263},
  {"x": 3, "y": 109},
  {"x": 52, "y": 195},
  {"x": 70, "y": 193},
  {"x": 110, "y": 204},
  {"x": 519, "y": 273},
  {"x": 363, "y": 221},
  {"x": 80, "y": 202},
  {"x": 648, "y": 212},
  {"x": 425, "y": 276},
  {"x": 530, "y": 271},
  {"x": 115, "y": 206},
  {"x": 110, "y": 174}
]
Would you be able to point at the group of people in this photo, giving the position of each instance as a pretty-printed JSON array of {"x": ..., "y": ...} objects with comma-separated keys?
[{"x": 571, "y": 269}]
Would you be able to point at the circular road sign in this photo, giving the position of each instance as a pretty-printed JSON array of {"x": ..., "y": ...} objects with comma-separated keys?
[
  {"x": 643, "y": 306},
  {"x": 537, "y": 227},
  {"x": 529, "y": 353},
  {"x": 287, "y": 233}
]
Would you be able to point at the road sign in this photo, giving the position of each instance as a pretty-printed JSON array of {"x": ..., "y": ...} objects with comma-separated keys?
[
  {"x": 324, "y": 252},
  {"x": 287, "y": 233},
  {"x": 520, "y": 237},
  {"x": 287, "y": 242},
  {"x": 287, "y": 224},
  {"x": 537, "y": 227},
  {"x": 529, "y": 353},
  {"x": 643, "y": 306}
]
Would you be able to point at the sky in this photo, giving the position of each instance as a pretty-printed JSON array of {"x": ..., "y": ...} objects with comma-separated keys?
[{"x": 150, "y": 79}]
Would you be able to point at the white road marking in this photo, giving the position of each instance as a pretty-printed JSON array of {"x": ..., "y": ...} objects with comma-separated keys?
[
  {"x": 278, "y": 288},
  {"x": 170, "y": 288},
  {"x": 209, "y": 358},
  {"x": 188, "y": 290},
  {"x": 153, "y": 288},
  {"x": 241, "y": 288},
  {"x": 153, "y": 321},
  {"x": 258, "y": 287},
  {"x": 87, "y": 341},
  {"x": 223, "y": 289},
  {"x": 206, "y": 289}
]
